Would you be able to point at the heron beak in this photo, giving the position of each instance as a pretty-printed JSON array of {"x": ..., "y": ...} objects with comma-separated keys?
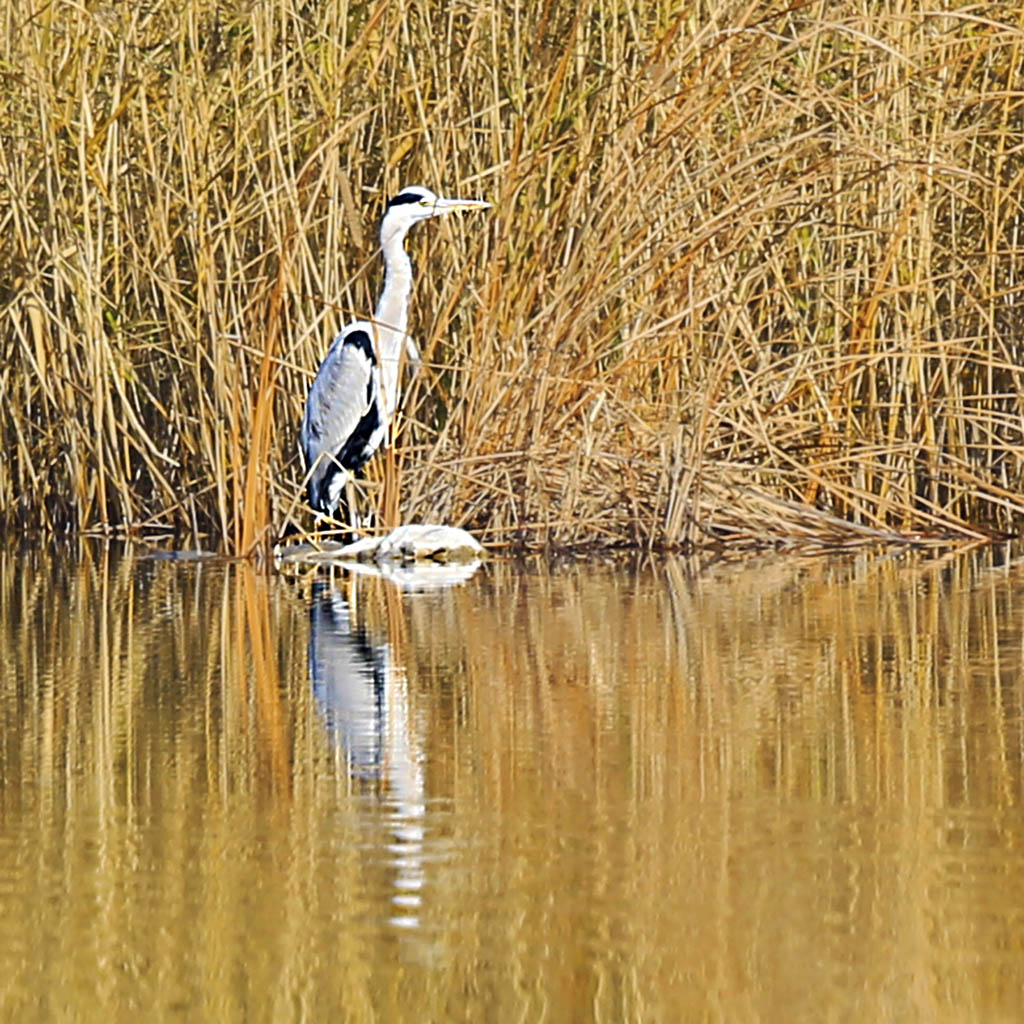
[{"x": 451, "y": 205}]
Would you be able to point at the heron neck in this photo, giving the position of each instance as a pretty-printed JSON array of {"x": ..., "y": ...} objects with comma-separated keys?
[{"x": 392, "y": 315}]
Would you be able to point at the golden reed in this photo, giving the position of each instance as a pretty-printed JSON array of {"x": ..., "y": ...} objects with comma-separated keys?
[{"x": 753, "y": 273}]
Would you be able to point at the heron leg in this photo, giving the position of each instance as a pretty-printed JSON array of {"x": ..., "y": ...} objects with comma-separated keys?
[{"x": 348, "y": 508}]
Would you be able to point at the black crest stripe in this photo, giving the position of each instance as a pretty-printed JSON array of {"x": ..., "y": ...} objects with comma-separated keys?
[{"x": 403, "y": 198}]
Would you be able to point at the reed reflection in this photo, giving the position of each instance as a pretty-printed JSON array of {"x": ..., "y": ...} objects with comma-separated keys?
[{"x": 689, "y": 791}]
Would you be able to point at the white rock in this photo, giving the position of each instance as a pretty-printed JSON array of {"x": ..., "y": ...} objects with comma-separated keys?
[
  {"x": 413, "y": 543},
  {"x": 421, "y": 542}
]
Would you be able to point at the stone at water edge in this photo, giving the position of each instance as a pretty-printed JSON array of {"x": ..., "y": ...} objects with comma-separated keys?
[
  {"x": 421, "y": 542},
  {"x": 414, "y": 542}
]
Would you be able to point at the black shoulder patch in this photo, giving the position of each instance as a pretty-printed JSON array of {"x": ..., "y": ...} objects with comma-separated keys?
[
  {"x": 361, "y": 340},
  {"x": 402, "y": 199},
  {"x": 356, "y": 451}
]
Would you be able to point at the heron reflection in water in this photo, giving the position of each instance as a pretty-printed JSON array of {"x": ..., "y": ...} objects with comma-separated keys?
[{"x": 365, "y": 700}]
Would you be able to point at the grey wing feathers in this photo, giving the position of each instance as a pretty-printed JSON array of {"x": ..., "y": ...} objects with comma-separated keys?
[{"x": 340, "y": 397}]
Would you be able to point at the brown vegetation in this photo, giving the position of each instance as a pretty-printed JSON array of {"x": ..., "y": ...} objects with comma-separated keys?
[{"x": 752, "y": 272}]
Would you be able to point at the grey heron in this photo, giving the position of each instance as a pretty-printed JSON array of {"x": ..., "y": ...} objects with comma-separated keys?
[{"x": 353, "y": 398}]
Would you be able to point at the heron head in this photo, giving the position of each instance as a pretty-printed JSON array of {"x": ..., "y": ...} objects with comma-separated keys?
[{"x": 415, "y": 203}]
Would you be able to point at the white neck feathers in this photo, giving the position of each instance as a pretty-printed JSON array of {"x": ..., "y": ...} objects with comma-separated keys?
[{"x": 392, "y": 316}]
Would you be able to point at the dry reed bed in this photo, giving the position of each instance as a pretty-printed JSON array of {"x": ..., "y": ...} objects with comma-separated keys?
[{"x": 752, "y": 272}]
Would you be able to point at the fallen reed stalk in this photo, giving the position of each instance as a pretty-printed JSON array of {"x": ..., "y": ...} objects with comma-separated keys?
[{"x": 753, "y": 271}]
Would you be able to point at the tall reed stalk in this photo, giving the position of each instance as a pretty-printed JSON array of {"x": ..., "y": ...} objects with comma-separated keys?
[{"x": 752, "y": 272}]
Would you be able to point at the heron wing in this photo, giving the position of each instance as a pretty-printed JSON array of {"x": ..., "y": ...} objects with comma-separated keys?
[{"x": 341, "y": 396}]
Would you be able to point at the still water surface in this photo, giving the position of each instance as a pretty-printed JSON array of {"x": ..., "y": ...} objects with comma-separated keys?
[{"x": 786, "y": 789}]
